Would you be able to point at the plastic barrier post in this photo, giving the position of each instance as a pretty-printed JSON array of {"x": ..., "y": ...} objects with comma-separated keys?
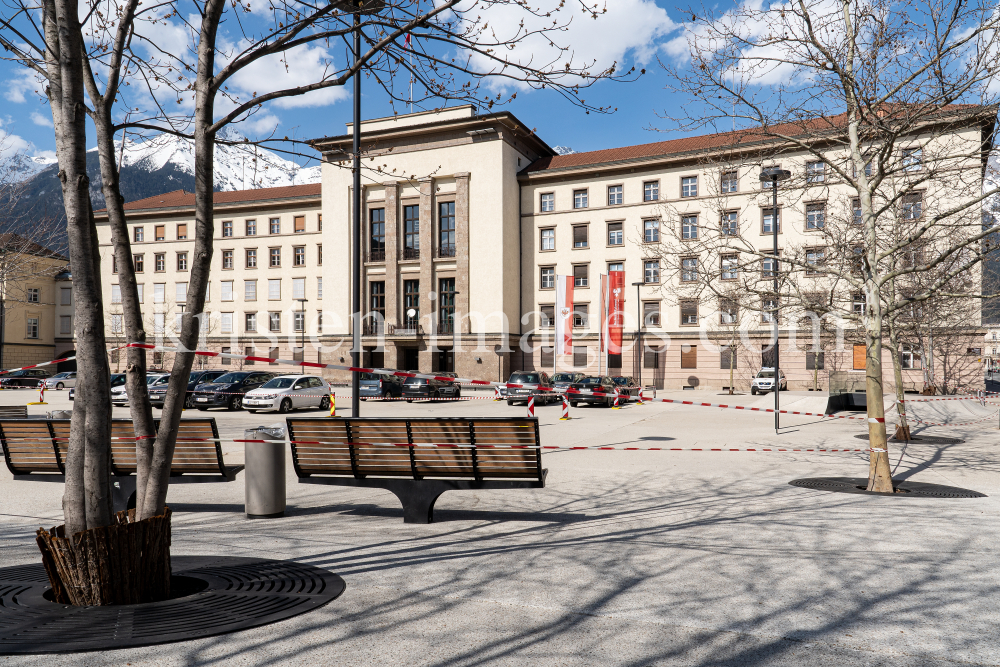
[
  {"x": 41, "y": 396},
  {"x": 616, "y": 406},
  {"x": 639, "y": 401},
  {"x": 565, "y": 410},
  {"x": 333, "y": 404},
  {"x": 496, "y": 394},
  {"x": 531, "y": 407}
]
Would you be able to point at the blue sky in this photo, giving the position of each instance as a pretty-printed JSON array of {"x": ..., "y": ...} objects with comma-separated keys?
[{"x": 635, "y": 32}]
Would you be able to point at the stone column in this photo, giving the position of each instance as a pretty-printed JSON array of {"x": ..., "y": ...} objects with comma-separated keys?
[
  {"x": 393, "y": 304},
  {"x": 427, "y": 251},
  {"x": 462, "y": 249}
]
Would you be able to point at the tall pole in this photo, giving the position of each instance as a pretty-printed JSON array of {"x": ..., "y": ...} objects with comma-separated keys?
[
  {"x": 777, "y": 364},
  {"x": 356, "y": 228},
  {"x": 638, "y": 330}
]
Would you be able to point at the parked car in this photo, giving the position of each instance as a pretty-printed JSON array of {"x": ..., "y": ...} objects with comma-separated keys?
[
  {"x": 763, "y": 382},
  {"x": 227, "y": 390},
  {"x": 117, "y": 380},
  {"x": 543, "y": 393},
  {"x": 289, "y": 392},
  {"x": 32, "y": 377},
  {"x": 450, "y": 389},
  {"x": 374, "y": 385},
  {"x": 599, "y": 383},
  {"x": 61, "y": 380},
  {"x": 158, "y": 393},
  {"x": 422, "y": 388},
  {"x": 563, "y": 380},
  {"x": 119, "y": 396},
  {"x": 627, "y": 386}
]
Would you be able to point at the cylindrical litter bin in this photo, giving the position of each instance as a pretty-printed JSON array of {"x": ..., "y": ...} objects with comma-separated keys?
[{"x": 264, "y": 475}]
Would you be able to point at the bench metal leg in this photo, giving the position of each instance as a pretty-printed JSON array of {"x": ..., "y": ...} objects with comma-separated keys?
[
  {"x": 418, "y": 500},
  {"x": 123, "y": 493}
]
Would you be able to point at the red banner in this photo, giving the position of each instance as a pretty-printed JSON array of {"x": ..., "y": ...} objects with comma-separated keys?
[{"x": 616, "y": 310}]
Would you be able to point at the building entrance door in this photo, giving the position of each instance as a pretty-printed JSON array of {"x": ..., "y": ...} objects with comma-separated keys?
[{"x": 411, "y": 359}]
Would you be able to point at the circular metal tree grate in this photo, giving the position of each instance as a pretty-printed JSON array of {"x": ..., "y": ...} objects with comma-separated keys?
[
  {"x": 220, "y": 595},
  {"x": 904, "y": 489}
]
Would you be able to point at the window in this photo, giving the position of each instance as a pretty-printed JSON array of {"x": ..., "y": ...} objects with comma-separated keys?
[
  {"x": 250, "y": 325},
  {"x": 548, "y": 239},
  {"x": 299, "y": 224},
  {"x": 411, "y": 235},
  {"x": 815, "y": 361},
  {"x": 729, "y": 182},
  {"x": 274, "y": 289},
  {"x": 580, "y": 314},
  {"x": 66, "y": 297},
  {"x": 909, "y": 357},
  {"x": 548, "y": 278},
  {"x": 251, "y": 258},
  {"x": 159, "y": 292},
  {"x": 160, "y": 232},
  {"x": 768, "y": 267},
  {"x": 728, "y": 311},
  {"x": 66, "y": 325},
  {"x": 34, "y": 295},
  {"x": 274, "y": 321},
  {"x": 180, "y": 292},
  {"x": 689, "y": 269},
  {"x": 274, "y": 255},
  {"x": 651, "y": 313},
  {"x": 548, "y": 315},
  {"x": 616, "y": 235},
  {"x": 815, "y": 172},
  {"x": 116, "y": 324},
  {"x": 689, "y": 312},
  {"x": 319, "y": 287},
  {"x": 138, "y": 264},
  {"x": 249, "y": 290},
  {"x": 227, "y": 290},
  {"x": 227, "y": 259},
  {"x": 446, "y": 305},
  {"x": 730, "y": 223},
  {"x": 651, "y": 231},
  {"x": 299, "y": 256},
  {"x": 814, "y": 260},
  {"x": 651, "y": 271},
  {"x": 159, "y": 262},
  {"x": 767, "y": 221},
  {"x": 580, "y": 275},
  {"x": 411, "y": 302},
  {"x": 728, "y": 359},
  {"x": 319, "y": 328},
  {"x": 815, "y": 216},
  {"x": 616, "y": 266},
  {"x": 579, "y": 199},
  {"x": 251, "y": 228},
  {"x": 913, "y": 206},
  {"x": 689, "y": 186},
  {"x": 376, "y": 292},
  {"x": 182, "y": 232},
  {"x": 114, "y": 263},
  {"x": 182, "y": 261},
  {"x": 298, "y": 288},
  {"x": 730, "y": 267},
  {"x": 116, "y": 294},
  {"x": 299, "y": 325},
  {"x": 689, "y": 227},
  {"x": 579, "y": 356},
  {"x": 227, "y": 228},
  {"x": 913, "y": 159},
  {"x": 614, "y": 195},
  {"x": 689, "y": 356},
  {"x": 446, "y": 229},
  {"x": 319, "y": 254},
  {"x": 856, "y": 211},
  {"x": 580, "y": 235},
  {"x": 138, "y": 234},
  {"x": 319, "y": 221},
  {"x": 651, "y": 191},
  {"x": 249, "y": 351},
  {"x": 858, "y": 303},
  {"x": 769, "y": 309},
  {"x": 376, "y": 228},
  {"x": 547, "y": 202}
]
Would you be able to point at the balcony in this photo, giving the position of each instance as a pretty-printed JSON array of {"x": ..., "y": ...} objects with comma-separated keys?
[
  {"x": 446, "y": 251},
  {"x": 410, "y": 253},
  {"x": 446, "y": 327},
  {"x": 373, "y": 328},
  {"x": 376, "y": 256}
]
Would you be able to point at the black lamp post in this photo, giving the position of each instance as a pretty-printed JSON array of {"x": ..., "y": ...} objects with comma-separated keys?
[
  {"x": 302, "y": 338},
  {"x": 772, "y": 175},
  {"x": 638, "y": 327}
]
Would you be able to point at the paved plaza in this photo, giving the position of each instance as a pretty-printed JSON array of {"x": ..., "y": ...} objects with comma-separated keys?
[{"x": 625, "y": 558}]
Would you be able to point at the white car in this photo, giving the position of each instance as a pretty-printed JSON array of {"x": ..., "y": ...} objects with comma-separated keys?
[
  {"x": 61, "y": 380},
  {"x": 289, "y": 392},
  {"x": 763, "y": 382},
  {"x": 119, "y": 396}
]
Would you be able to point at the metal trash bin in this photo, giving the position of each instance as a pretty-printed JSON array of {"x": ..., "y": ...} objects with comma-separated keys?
[{"x": 264, "y": 475}]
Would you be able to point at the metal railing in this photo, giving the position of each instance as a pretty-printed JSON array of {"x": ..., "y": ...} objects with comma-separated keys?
[
  {"x": 446, "y": 251},
  {"x": 410, "y": 253},
  {"x": 376, "y": 256}
]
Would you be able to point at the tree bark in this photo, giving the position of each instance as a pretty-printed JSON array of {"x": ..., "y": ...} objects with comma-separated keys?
[
  {"x": 903, "y": 430},
  {"x": 155, "y": 498}
]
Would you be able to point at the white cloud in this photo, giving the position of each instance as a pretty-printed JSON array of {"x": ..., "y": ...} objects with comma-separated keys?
[
  {"x": 23, "y": 83},
  {"x": 303, "y": 65},
  {"x": 39, "y": 119},
  {"x": 261, "y": 124}
]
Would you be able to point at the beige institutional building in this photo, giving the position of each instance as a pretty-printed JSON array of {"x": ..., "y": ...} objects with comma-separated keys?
[{"x": 467, "y": 219}]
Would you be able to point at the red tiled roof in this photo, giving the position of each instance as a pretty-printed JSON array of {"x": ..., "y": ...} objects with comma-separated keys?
[
  {"x": 184, "y": 199},
  {"x": 734, "y": 140}
]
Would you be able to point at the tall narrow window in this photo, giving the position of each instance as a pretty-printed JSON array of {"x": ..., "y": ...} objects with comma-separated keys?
[
  {"x": 728, "y": 313},
  {"x": 376, "y": 291},
  {"x": 250, "y": 326},
  {"x": 116, "y": 294},
  {"x": 32, "y": 327},
  {"x": 66, "y": 298},
  {"x": 689, "y": 356},
  {"x": 615, "y": 195},
  {"x": 274, "y": 289},
  {"x": 275, "y": 225},
  {"x": 651, "y": 313},
  {"x": 274, "y": 321},
  {"x": 581, "y": 314},
  {"x": 616, "y": 235},
  {"x": 689, "y": 312},
  {"x": 376, "y": 228},
  {"x": 181, "y": 292},
  {"x": 730, "y": 223},
  {"x": 182, "y": 232},
  {"x": 547, "y": 239},
  {"x": 651, "y": 231},
  {"x": 298, "y": 288},
  {"x": 689, "y": 227},
  {"x": 411, "y": 232},
  {"x": 160, "y": 232},
  {"x": 182, "y": 261},
  {"x": 689, "y": 269},
  {"x": 651, "y": 271},
  {"x": 768, "y": 221},
  {"x": 651, "y": 191},
  {"x": 275, "y": 257},
  {"x": 138, "y": 263},
  {"x": 225, "y": 323},
  {"x": 299, "y": 223},
  {"x": 547, "y": 315},
  {"x": 319, "y": 287},
  {"x": 815, "y": 216},
  {"x": 226, "y": 290},
  {"x": 249, "y": 290},
  {"x": 160, "y": 262},
  {"x": 446, "y": 229},
  {"x": 137, "y": 234},
  {"x": 411, "y": 303},
  {"x": 913, "y": 206},
  {"x": 251, "y": 258},
  {"x": 689, "y": 186},
  {"x": 729, "y": 182},
  {"x": 912, "y": 159},
  {"x": 580, "y": 236},
  {"x": 768, "y": 267},
  {"x": 580, "y": 277},
  {"x": 815, "y": 172},
  {"x": 730, "y": 267},
  {"x": 547, "y": 278},
  {"x": 227, "y": 259},
  {"x": 814, "y": 260},
  {"x": 319, "y": 254},
  {"x": 856, "y": 211},
  {"x": 159, "y": 292},
  {"x": 251, "y": 227},
  {"x": 299, "y": 256},
  {"x": 769, "y": 310},
  {"x": 227, "y": 228},
  {"x": 580, "y": 199},
  {"x": 446, "y": 305},
  {"x": 548, "y": 202}
]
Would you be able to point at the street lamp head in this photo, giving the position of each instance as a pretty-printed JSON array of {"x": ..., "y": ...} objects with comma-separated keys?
[
  {"x": 360, "y": 6},
  {"x": 771, "y": 174},
  {"x": 637, "y": 284}
]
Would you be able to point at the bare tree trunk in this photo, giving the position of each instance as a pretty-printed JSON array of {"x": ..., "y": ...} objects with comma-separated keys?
[
  {"x": 903, "y": 430},
  {"x": 879, "y": 471},
  {"x": 154, "y": 500}
]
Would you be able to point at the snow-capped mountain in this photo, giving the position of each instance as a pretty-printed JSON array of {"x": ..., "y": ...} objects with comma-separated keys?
[
  {"x": 21, "y": 167},
  {"x": 563, "y": 150}
]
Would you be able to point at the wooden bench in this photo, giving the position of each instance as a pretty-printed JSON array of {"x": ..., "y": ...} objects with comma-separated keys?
[
  {"x": 13, "y": 411},
  {"x": 35, "y": 449},
  {"x": 418, "y": 459}
]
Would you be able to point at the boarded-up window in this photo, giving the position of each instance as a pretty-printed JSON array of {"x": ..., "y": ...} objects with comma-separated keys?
[
  {"x": 300, "y": 223},
  {"x": 859, "y": 357},
  {"x": 815, "y": 360},
  {"x": 728, "y": 358},
  {"x": 650, "y": 358},
  {"x": 580, "y": 357},
  {"x": 272, "y": 353},
  {"x": 614, "y": 361},
  {"x": 689, "y": 356}
]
